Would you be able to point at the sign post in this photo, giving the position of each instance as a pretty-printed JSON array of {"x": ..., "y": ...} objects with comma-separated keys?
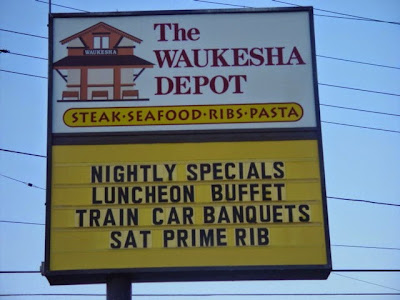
[{"x": 184, "y": 145}]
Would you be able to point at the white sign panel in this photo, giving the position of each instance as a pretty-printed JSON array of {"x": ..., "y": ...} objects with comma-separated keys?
[{"x": 157, "y": 72}]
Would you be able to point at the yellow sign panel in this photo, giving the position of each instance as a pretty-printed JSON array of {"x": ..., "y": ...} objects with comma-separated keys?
[
  {"x": 186, "y": 205},
  {"x": 181, "y": 115}
]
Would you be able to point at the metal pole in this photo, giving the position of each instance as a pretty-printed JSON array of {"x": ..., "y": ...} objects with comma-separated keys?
[
  {"x": 49, "y": 7},
  {"x": 119, "y": 288}
]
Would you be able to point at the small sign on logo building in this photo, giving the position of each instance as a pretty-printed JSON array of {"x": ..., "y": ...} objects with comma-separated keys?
[{"x": 185, "y": 145}]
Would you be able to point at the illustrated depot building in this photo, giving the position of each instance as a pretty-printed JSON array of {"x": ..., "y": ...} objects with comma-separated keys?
[{"x": 100, "y": 65}]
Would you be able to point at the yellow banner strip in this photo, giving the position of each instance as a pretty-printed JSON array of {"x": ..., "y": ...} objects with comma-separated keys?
[{"x": 183, "y": 115}]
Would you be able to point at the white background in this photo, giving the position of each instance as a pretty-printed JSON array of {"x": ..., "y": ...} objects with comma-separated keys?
[{"x": 265, "y": 84}]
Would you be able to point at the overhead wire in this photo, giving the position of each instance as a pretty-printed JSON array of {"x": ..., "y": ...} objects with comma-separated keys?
[
  {"x": 332, "y": 245},
  {"x": 25, "y": 74},
  {"x": 323, "y": 84},
  {"x": 359, "y": 109},
  {"x": 366, "y": 201},
  {"x": 365, "y": 281},
  {"x": 26, "y": 55},
  {"x": 358, "y": 89},
  {"x": 330, "y": 197},
  {"x": 342, "y": 15},
  {"x": 361, "y": 18},
  {"x": 366, "y": 247},
  {"x": 333, "y": 270},
  {"x": 357, "y": 62},
  {"x": 23, "y": 33},
  {"x": 207, "y": 294},
  {"x": 24, "y": 182},
  {"x": 317, "y": 55},
  {"x": 59, "y": 5},
  {"x": 23, "y": 153},
  {"x": 18, "y": 222},
  {"x": 359, "y": 126}
]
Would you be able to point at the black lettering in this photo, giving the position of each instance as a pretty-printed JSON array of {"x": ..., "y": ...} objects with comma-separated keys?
[
  {"x": 253, "y": 173},
  {"x": 228, "y": 166},
  {"x": 262, "y": 236},
  {"x": 217, "y": 170},
  {"x": 94, "y": 197},
  {"x": 173, "y": 217},
  {"x": 130, "y": 240},
  {"x": 118, "y": 174},
  {"x": 304, "y": 210},
  {"x": 133, "y": 216},
  {"x": 188, "y": 213},
  {"x": 116, "y": 244},
  {"x": 81, "y": 212},
  {"x": 97, "y": 174},
  {"x": 279, "y": 187},
  {"x": 208, "y": 214},
  {"x": 223, "y": 216},
  {"x": 123, "y": 195},
  {"x": 251, "y": 214},
  {"x": 94, "y": 217},
  {"x": 193, "y": 175},
  {"x": 277, "y": 213},
  {"x": 216, "y": 192},
  {"x": 278, "y": 168},
  {"x": 168, "y": 236},
  {"x": 156, "y": 211},
  {"x": 145, "y": 233},
  {"x": 221, "y": 237},
  {"x": 290, "y": 211},
  {"x": 109, "y": 218},
  {"x": 206, "y": 238},
  {"x": 182, "y": 236},
  {"x": 240, "y": 235}
]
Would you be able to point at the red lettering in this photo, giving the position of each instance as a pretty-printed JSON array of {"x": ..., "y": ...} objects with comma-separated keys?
[
  {"x": 279, "y": 56},
  {"x": 169, "y": 83},
  {"x": 296, "y": 55},
  {"x": 162, "y": 31}
]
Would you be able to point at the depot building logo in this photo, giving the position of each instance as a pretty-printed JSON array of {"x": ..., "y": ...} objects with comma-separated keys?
[{"x": 100, "y": 65}]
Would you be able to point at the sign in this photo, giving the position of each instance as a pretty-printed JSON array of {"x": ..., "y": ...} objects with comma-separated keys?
[
  {"x": 180, "y": 151},
  {"x": 197, "y": 72}
]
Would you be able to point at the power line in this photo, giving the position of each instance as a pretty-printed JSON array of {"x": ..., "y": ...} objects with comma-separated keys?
[
  {"x": 26, "y": 55},
  {"x": 19, "y": 73},
  {"x": 367, "y": 247},
  {"x": 341, "y": 271},
  {"x": 368, "y": 282},
  {"x": 333, "y": 245},
  {"x": 357, "y": 62},
  {"x": 53, "y": 4},
  {"x": 349, "y": 17},
  {"x": 324, "y": 84},
  {"x": 17, "y": 222},
  {"x": 358, "y": 89},
  {"x": 366, "y": 201},
  {"x": 322, "y": 56},
  {"x": 358, "y": 109},
  {"x": 23, "y": 33},
  {"x": 227, "y": 4},
  {"x": 18, "y": 272},
  {"x": 26, "y": 183},
  {"x": 23, "y": 153},
  {"x": 330, "y": 197},
  {"x": 363, "y": 127},
  {"x": 211, "y": 294},
  {"x": 343, "y": 14}
]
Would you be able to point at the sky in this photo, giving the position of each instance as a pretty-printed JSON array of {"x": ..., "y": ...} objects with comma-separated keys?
[{"x": 360, "y": 161}]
